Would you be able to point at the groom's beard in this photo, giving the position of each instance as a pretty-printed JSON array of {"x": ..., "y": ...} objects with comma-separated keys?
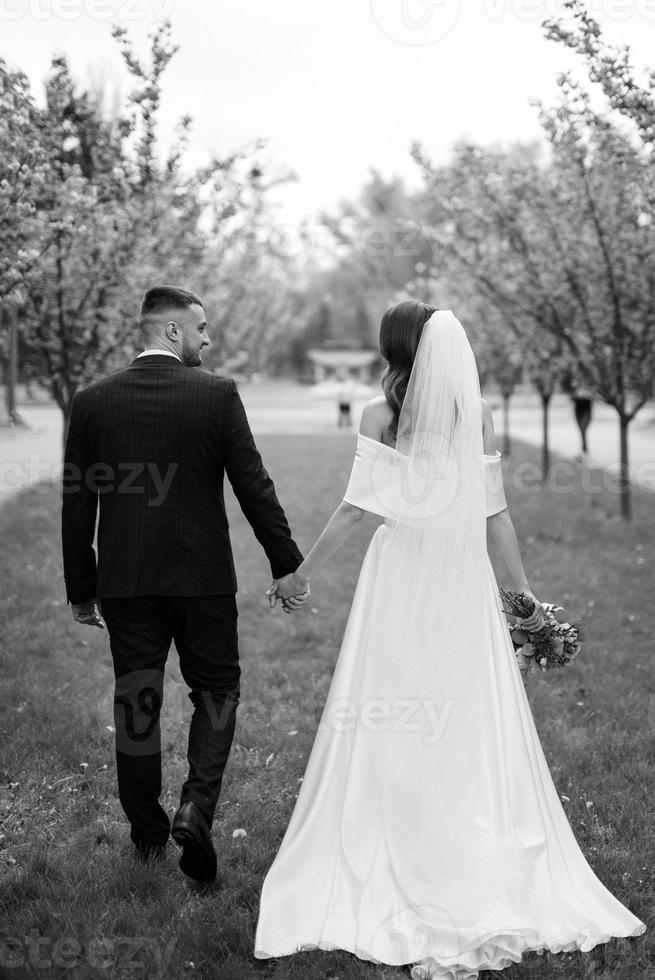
[{"x": 190, "y": 356}]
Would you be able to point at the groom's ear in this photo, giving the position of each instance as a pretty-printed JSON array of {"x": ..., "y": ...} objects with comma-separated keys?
[{"x": 172, "y": 330}]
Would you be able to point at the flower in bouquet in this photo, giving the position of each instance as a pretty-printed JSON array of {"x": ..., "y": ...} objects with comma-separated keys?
[{"x": 556, "y": 644}]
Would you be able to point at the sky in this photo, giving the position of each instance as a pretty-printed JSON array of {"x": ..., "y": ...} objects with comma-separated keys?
[{"x": 335, "y": 88}]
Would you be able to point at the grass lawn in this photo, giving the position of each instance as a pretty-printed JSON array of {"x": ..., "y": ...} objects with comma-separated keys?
[{"x": 73, "y": 901}]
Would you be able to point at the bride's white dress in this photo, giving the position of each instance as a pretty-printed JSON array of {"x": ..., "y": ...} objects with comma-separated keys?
[{"x": 427, "y": 829}]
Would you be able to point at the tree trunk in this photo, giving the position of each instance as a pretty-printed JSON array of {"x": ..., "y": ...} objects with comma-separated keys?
[
  {"x": 8, "y": 322},
  {"x": 545, "y": 446},
  {"x": 507, "y": 444},
  {"x": 624, "y": 480},
  {"x": 66, "y": 412},
  {"x": 13, "y": 368}
]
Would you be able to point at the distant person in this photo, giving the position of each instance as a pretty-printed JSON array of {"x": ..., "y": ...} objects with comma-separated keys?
[
  {"x": 582, "y": 406},
  {"x": 344, "y": 397},
  {"x": 582, "y": 398}
]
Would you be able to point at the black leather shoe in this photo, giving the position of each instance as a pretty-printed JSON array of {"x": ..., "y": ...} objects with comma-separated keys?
[
  {"x": 150, "y": 852},
  {"x": 191, "y": 832}
]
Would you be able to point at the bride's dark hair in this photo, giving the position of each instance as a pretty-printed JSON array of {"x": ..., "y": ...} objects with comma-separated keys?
[{"x": 400, "y": 332}]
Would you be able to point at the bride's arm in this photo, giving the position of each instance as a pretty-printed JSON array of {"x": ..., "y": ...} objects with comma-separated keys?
[
  {"x": 337, "y": 529},
  {"x": 335, "y": 532},
  {"x": 502, "y": 542}
]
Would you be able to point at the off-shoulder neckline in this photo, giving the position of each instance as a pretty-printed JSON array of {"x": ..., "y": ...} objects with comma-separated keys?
[{"x": 360, "y": 435}]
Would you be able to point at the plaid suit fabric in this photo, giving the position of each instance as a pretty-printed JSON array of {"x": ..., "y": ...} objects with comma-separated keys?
[{"x": 149, "y": 446}]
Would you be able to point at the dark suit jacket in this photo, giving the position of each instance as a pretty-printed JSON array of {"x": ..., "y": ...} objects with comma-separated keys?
[{"x": 151, "y": 444}]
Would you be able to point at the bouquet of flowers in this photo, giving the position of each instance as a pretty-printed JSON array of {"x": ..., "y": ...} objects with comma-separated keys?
[{"x": 555, "y": 645}]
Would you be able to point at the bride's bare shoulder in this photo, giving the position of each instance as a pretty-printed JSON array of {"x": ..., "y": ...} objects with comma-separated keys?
[{"x": 376, "y": 416}]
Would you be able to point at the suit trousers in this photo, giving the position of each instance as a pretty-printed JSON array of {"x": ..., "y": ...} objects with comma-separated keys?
[{"x": 204, "y": 629}]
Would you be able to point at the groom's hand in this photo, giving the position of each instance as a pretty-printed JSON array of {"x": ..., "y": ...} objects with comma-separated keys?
[
  {"x": 87, "y": 614},
  {"x": 292, "y": 584}
]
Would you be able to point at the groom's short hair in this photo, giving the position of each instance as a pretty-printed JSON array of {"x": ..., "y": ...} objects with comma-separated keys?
[{"x": 158, "y": 299}]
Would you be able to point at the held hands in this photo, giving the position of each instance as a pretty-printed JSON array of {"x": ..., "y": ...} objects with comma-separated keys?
[
  {"x": 87, "y": 614},
  {"x": 293, "y": 590}
]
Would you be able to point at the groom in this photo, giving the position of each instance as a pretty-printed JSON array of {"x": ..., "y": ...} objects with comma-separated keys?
[{"x": 150, "y": 445}]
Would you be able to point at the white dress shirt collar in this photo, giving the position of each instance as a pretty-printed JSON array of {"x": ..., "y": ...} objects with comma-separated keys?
[{"x": 158, "y": 350}]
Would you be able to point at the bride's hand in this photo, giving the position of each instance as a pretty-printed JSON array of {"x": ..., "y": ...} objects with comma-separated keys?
[{"x": 536, "y": 620}]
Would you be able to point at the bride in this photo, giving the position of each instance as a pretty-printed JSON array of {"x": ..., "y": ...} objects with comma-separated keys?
[{"x": 427, "y": 830}]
